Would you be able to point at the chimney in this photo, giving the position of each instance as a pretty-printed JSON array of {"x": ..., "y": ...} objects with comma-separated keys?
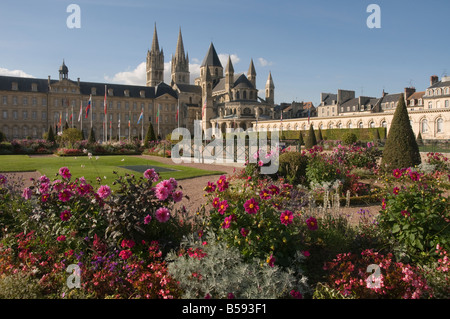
[
  {"x": 434, "y": 79},
  {"x": 78, "y": 81},
  {"x": 409, "y": 91}
]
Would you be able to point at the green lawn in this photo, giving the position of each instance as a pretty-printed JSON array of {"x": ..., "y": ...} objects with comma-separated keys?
[{"x": 103, "y": 166}]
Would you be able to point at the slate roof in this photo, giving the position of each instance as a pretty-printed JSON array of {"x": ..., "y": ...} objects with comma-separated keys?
[{"x": 211, "y": 58}]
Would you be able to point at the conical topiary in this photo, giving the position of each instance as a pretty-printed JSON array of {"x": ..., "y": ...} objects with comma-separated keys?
[
  {"x": 311, "y": 138},
  {"x": 419, "y": 139},
  {"x": 50, "y": 134},
  {"x": 401, "y": 149},
  {"x": 91, "y": 138},
  {"x": 319, "y": 135},
  {"x": 300, "y": 139},
  {"x": 150, "y": 135}
]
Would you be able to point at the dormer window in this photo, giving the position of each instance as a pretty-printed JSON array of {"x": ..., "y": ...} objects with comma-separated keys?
[
  {"x": 94, "y": 91},
  {"x": 126, "y": 93},
  {"x": 34, "y": 87},
  {"x": 14, "y": 86},
  {"x": 142, "y": 93},
  {"x": 110, "y": 92}
]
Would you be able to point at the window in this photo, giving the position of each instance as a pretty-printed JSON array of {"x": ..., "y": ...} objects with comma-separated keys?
[
  {"x": 34, "y": 101},
  {"x": 384, "y": 124},
  {"x": 440, "y": 125},
  {"x": 134, "y": 106},
  {"x": 15, "y": 115},
  {"x": 5, "y": 100},
  {"x": 424, "y": 126},
  {"x": 361, "y": 125},
  {"x": 44, "y": 101},
  {"x": 14, "y": 100},
  {"x": 25, "y": 101},
  {"x": 350, "y": 125},
  {"x": 5, "y": 114},
  {"x": 446, "y": 103},
  {"x": 34, "y": 87},
  {"x": 14, "y": 86},
  {"x": 372, "y": 124},
  {"x": 430, "y": 105},
  {"x": 34, "y": 115},
  {"x": 44, "y": 115},
  {"x": 118, "y": 105}
]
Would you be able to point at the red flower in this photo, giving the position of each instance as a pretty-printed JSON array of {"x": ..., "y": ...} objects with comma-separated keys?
[
  {"x": 397, "y": 173},
  {"x": 311, "y": 222},
  {"x": 265, "y": 194},
  {"x": 211, "y": 187},
  {"x": 65, "y": 195},
  {"x": 286, "y": 217},
  {"x": 127, "y": 243},
  {"x": 65, "y": 215},
  {"x": 223, "y": 205},
  {"x": 61, "y": 238},
  {"x": 251, "y": 206},
  {"x": 222, "y": 183},
  {"x": 396, "y": 190},
  {"x": 227, "y": 222},
  {"x": 244, "y": 232},
  {"x": 216, "y": 202},
  {"x": 125, "y": 254}
]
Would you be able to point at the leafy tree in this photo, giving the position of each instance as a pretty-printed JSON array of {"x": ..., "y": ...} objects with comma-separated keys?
[
  {"x": 71, "y": 135},
  {"x": 311, "y": 138},
  {"x": 401, "y": 149}
]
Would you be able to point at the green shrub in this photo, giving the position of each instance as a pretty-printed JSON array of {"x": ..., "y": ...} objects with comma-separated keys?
[
  {"x": 311, "y": 138},
  {"x": 349, "y": 138},
  {"x": 292, "y": 167}
]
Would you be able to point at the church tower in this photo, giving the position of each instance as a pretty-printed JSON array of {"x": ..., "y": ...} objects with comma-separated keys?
[
  {"x": 212, "y": 62},
  {"x": 229, "y": 80},
  {"x": 207, "y": 99},
  {"x": 180, "y": 64},
  {"x": 155, "y": 63},
  {"x": 270, "y": 88}
]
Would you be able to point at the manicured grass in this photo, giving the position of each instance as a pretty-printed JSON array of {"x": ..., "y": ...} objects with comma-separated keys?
[{"x": 102, "y": 166}]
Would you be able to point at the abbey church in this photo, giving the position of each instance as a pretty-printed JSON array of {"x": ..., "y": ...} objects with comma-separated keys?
[{"x": 219, "y": 98}]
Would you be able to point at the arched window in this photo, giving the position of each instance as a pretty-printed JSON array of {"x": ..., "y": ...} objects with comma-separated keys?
[
  {"x": 424, "y": 126},
  {"x": 372, "y": 124},
  {"x": 361, "y": 125},
  {"x": 384, "y": 124},
  {"x": 339, "y": 125},
  {"x": 350, "y": 125},
  {"x": 439, "y": 125},
  {"x": 244, "y": 95}
]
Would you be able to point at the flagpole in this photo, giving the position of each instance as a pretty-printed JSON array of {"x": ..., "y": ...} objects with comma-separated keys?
[
  {"x": 159, "y": 108},
  {"x": 91, "y": 106},
  {"x": 106, "y": 118},
  {"x": 142, "y": 136},
  {"x": 72, "y": 116},
  {"x": 178, "y": 113}
]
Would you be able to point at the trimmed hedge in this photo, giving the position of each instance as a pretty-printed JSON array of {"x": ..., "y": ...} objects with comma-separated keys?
[{"x": 337, "y": 134}]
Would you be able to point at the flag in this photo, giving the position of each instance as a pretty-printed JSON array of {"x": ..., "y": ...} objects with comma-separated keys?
[
  {"x": 88, "y": 107},
  {"x": 129, "y": 123},
  {"x": 308, "y": 114},
  {"x": 110, "y": 124},
  {"x": 118, "y": 124},
  {"x": 204, "y": 107},
  {"x": 140, "y": 116},
  {"x": 104, "y": 102},
  {"x": 157, "y": 114},
  {"x": 71, "y": 115},
  {"x": 81, "y": 111},
  {"x": 176, "y": 115},
  {"x": 60, "y": 118}
]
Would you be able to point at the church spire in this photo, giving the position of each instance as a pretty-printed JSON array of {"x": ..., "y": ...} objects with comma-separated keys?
[
  {"x": 155, "y": 62},
  {"x": 251, "y": 74},
  {"x": 180, "y": 63},
  {"x": 155, "y": 43}
]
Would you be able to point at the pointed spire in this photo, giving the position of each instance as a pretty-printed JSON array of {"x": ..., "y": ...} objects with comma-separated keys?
[
  {"x": 211, "y": 58},
  {"x": 269, "y": 82},
  {"x": 179, "y": 54},
  {"x": 229, "y": 69},
  {"x": 251, "y": 69},
  {"x": 155, "y": 43}
]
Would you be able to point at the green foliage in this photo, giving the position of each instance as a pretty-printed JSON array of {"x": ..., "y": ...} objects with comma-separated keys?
[
  {"x": 71, "y": 135},
  {"x": 419, "y": 139},
  {"x": 319, "y": 135},
  {"x": 292, "y": 167},
  {"x": 300, "y": 139},
  {"x": 401, "y": 149},
  {"x": 20, "y": 286},
  {"x": 324, "y": 291},
  {"x": 217, "y": 270},
  {"x": 350, "y": 138},
  {"x": 311, "y": 138},
  {"x": 415, "y": 215},
  {"x": 320, "y": 171},
  {"x": 2, "y": 137}
]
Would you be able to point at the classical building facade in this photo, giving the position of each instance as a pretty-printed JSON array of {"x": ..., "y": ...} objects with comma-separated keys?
[{"x": 429, "y": 111}]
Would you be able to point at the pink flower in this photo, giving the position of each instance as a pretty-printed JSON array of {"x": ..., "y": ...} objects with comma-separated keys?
[
  {"x": 311, "y": 222},
  {"x": 211, "y": 187},
  {"x": 397, "y": 173},
  {"x": 162, "y": 214},
  {"x": 104, "y": 191},
  {"x": 296, "y": 294},
  {"x": 26, "y": 193},
  {"x": 383, "y": 204},
  {"x": 167, "y": 184},
  {"x": 230, "y": 295},
  {"x": 244, "y": 232},
  {"x": 265, "y": 194},
  {"x": 161, "y": 192},
  {"x": 44, "y": 188},
  {"x": 44, "y": 179},
  {"x": 61, "y": 238},
  {"x": 222, "y": 183},
  {"x": 65, "y": 195},
  {"x": 45, "y": 198},
  {"x": 286, "y": 217},
  {"x": 396, "y": 190},
  {"x": 125, "y": 254},
  {"x": 3, "y": 179},
  {"x": 65, "y": 215},
  {"x": 251, "y": 206},
  {"x": 306, "y": 253},
  {"x": 58, "y": 185},
  {"x": 223, "y": 205},
  {"x": 147, "y": 219},
  {"x": 271, "y": 260},
  {"x": 227, "y": 221},
  {"x": 177, "y": 196},
  {"x": 216, "y": 202},
  {"x": 405, "y": 213},
  {"x": 127, "y": 243},
  {"x": 151, "y": 175},
  {"x": 274, "y": 189},
  {"x": 65, "y": 173},
  {"x": 415, "y": 176}
]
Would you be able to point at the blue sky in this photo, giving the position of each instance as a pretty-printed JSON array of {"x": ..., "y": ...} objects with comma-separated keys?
[{"x": 309, "y": 46}]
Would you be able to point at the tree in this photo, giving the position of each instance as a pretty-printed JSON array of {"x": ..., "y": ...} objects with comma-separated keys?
[
  {"x": 419, "y": 139},
  {"x": 150, "y": 135},
  {"x": 71, "y": 135},
  {"x": 319, "y": 135},
  {"x": 50, "y": 135},
  {"x": 91, "y": 138},
  {"x": 401, "y": 149},
  {"x": 311, "y": 138},
  {"x": 300, "y": 140}
]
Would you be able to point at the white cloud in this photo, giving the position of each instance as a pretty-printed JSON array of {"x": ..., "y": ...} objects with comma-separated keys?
[
  {"x": 263, "y": 62},
  {"x": 133, "y": 77},
  {"x": 18, "y": 73},
  {"x": 223, "y": 57}
]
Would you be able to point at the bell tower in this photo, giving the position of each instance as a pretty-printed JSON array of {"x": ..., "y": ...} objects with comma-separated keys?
[{"x": 155, "y": 63}]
